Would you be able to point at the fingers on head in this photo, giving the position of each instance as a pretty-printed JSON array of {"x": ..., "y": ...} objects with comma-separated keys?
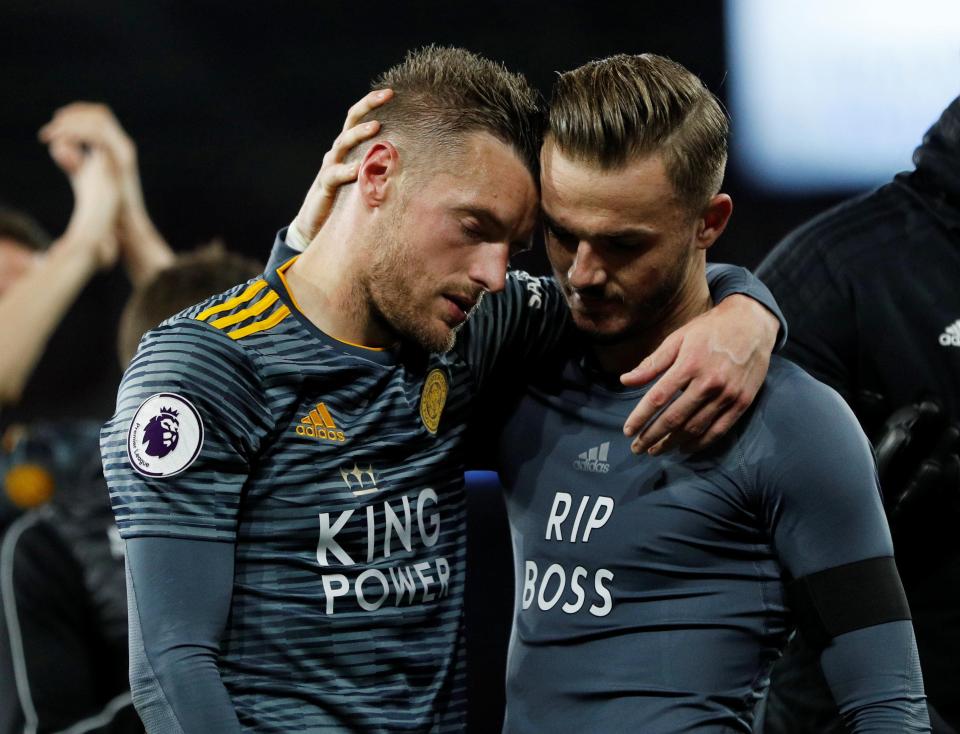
[
  {"x": 338, "y": 174},
  {"x": 369, "y": 102}
]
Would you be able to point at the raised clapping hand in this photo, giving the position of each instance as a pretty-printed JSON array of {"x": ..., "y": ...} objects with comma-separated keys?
[
  {"x": 94, "y": 126},
  {"x": 95, "y": 199},
  {"x": 27, "y": 319}
]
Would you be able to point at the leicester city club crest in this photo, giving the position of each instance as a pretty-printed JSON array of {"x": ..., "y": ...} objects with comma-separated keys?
[
  {"x": 432, "y": 400},
  {"x": 165, "y": 435}
]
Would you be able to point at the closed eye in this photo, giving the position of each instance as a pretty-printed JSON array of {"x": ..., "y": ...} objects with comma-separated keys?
[
  {"x": 628, "y": 243},
  {"x": 471, "y": 231}
]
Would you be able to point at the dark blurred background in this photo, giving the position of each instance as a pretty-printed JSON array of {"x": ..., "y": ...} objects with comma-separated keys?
[{"x": 232, "y": 106}]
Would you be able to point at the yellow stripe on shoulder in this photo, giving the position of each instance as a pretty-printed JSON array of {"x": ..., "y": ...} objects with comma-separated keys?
[
  {"x": 268, "y": 323},
  {"x": 255, "y": 310},
  {"x": 253, "y": 289}
]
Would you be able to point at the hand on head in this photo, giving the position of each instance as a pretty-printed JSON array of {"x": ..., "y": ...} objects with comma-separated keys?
[{"x": 334, "y": 172}]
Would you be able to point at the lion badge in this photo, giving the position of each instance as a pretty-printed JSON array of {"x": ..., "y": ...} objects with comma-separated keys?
[{"x": 165, "y": 435}]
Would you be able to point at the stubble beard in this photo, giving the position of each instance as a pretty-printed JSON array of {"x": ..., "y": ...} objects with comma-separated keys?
[
  {"x": 647, "y": 314},
  {"x": 389, "y": 287}
]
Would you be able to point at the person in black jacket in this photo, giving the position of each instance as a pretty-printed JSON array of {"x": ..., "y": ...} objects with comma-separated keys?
[
  {"x": 63, "y": 631},
  {"x": 871, "y": 290},
  {"x": 109, "y": 221}
]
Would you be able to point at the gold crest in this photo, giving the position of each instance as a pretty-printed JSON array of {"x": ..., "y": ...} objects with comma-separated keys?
[{"x": 433, "y": 399}]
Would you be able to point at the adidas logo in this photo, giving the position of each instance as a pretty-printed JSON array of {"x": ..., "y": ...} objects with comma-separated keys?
[
  {"x": 594, "y": 460},
  {"x": 951, "y": 336},
  {"x": 318, "y": 423}
]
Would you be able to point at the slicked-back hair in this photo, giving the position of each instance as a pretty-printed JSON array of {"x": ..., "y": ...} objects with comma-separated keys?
[
  {"x": 442, "y": 94},
  {"x": 611, "y": 111},
  {"x": 191, "y": 278}
]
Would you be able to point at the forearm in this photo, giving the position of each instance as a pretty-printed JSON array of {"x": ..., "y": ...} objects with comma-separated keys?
[
  {"x": 31, "y": 309},
  {"x": 832, "y": 540},
  {"x": 179, "y": 597},
  {"x": 145, "y": 251},
  {"x": 874, "y": 674}
]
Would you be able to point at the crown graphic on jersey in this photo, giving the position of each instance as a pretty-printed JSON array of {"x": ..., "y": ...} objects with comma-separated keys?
[
  {"x": 170, "y": 411},
  {"x": 360, "y": 481}
]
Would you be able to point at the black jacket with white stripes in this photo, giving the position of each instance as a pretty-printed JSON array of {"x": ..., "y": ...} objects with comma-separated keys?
[{"x": 871, "y": 289}]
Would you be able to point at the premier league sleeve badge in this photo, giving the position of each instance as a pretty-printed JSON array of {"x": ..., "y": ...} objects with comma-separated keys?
[{"x": 165, "y": 436}]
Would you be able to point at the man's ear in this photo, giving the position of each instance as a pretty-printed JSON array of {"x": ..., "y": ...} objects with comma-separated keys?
[
  {"x": 379, "y": 167},
  {"x": 714, "y": 220}
]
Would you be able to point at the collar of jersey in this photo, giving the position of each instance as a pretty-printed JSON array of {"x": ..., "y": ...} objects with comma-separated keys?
[
  {"x": 277, "y": 281},
  {"x": 586, "y": 371}
]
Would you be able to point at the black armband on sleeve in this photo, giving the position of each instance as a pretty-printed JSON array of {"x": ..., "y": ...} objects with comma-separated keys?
[{"x": 845, "y": 598}]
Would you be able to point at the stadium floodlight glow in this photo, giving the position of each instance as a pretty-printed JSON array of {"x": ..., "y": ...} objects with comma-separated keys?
[{"x": 836, "y": 94}]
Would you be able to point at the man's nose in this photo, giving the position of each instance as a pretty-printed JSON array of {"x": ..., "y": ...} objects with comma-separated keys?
[
  {"x": 587, "y": 269},
  {"x": 489, "y": 267}
]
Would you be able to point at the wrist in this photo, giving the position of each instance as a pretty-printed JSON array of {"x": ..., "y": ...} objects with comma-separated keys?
[
  {"x": 754, "y": 309},
  {"x": 133, "y": 220},
  {"x": 296, "y": 238},
  {"x": 75, "y": 249}
]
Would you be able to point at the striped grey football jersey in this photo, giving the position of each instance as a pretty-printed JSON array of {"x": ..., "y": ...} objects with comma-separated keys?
[{"x": 337, "y": 473}]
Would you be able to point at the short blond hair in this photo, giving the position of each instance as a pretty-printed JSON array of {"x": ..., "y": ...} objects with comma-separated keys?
[
  {"x": 609, "y": 111},
  {"x": 442, "y": 94}
]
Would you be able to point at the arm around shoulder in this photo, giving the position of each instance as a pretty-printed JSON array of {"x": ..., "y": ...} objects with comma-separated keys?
[{"x": 511, "y": 330}]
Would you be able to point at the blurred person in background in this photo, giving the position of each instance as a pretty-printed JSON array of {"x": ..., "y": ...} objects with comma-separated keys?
[
  {"x": 109, "y": 219},
  {"x": 22, "y": 240},
  {"x": 39, "y": 281},
  {"x": 871, "y": 289},
  {"x": 39, "y": 290},
  {"x": 63, "y": 630},
  {"x": 63, "y": 614}
]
